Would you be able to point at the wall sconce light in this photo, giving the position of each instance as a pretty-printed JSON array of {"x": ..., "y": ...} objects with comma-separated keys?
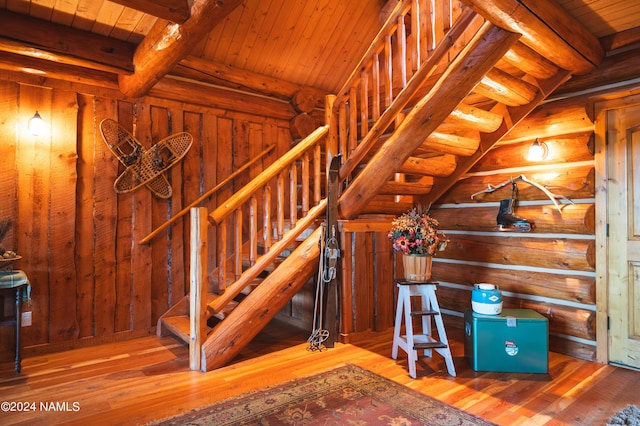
[
  {"x": 537, "y": 151},
  {"x": 36, "y": 125}
]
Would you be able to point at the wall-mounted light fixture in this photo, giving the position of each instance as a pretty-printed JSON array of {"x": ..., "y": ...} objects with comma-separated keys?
[
  {"x": 36, "y": 125},
  {"x": 537, "y": 151}
]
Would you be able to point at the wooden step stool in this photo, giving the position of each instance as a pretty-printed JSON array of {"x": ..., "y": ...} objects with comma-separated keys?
[{"x": 410, "y": 342}]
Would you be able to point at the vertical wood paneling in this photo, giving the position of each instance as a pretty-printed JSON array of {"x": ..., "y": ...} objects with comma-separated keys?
[
  {"x": 8, "y": 173},
  {"x": 62, "y": 267},
  {"x": 347, "y": 311},
  {"x": 141, "y": 255},
  {"x": 8, "y": 182},
  {"x": 210, "y": 155},
  {"x": 384, "y": 282},
  {"x": 79, "y": 239},
  {"x": 224, "y": 164},
  {"x": 84, "y": 230},
  {"x": 193, "y": 184},
  {"x": 176, "y": 235},
  {"x": 33, "y": 207},
  {"x": 256, "y": 143},
  {"x": 124, "y": 233},
  {"x": 363, "y": 293},
  {"x": 159, "y": 215},
  {"x": 106, "y": 218},
  {"x": 240, "y": 156}
]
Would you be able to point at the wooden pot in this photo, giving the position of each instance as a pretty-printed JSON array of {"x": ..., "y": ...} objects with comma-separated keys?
[{"x": 417, "y": 267}]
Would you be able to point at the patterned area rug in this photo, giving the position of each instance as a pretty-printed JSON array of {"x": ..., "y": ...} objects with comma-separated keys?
[
  {"x": 630, "y": 415},
  {"x": 343, "y": 396}
]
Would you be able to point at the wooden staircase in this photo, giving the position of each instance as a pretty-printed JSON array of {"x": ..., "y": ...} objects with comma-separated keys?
[{"x": 429, "y": 98}]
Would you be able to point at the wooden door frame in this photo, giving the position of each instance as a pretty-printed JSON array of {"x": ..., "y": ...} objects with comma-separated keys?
[{"x": 602, "y": 241}]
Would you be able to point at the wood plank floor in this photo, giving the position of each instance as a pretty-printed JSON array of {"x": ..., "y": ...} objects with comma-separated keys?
[{"x": 148, "y": 378}]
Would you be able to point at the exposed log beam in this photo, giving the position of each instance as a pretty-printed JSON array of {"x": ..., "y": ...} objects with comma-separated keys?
[
  {"x": 389, "y": 207},
  {"x": 216, "y": 97},
  {"x": 171, "y": 10},
  {"x": 441, "y": 165},
  {"x": 505, "y": 88},
  {"x": 450, "y": 143},
  {"x": 40, "y": 39},
  {"x": 464, "y": 73},
  {"x": 613, "y": 69},
  {"x": 545, "y": 27},
  {"x": 225, "y": 75},
  {"x": 166, "y": 45},
  {"x": 422, "y": 187},
  {"x": 470, "y": 117},
  {"x": 529, "y": 61},
  {"x": 60, "y": 71},
  {"x": 621, "y": 39}
]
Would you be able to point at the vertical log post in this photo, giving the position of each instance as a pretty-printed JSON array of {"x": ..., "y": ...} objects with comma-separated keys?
[
  {"x": 198, "y": 288},
  {"x": 332, "y": 138}
]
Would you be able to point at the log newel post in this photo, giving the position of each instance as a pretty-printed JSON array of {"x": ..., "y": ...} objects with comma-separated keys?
[
  {"x": 331, "y": 120},
  {"x": 198, "y": 287}
]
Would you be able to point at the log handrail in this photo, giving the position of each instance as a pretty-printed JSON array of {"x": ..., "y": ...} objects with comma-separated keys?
[
  {"x": 206, "y": 195},
  {"x": 243, "y": 195}
]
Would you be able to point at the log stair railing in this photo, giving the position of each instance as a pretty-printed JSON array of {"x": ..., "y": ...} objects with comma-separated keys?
[
  {"x": 252, "y": 231},
  {"x": 439, "y": 86}
]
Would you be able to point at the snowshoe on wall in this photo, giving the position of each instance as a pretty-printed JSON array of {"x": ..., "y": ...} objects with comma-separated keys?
[{"x": 509, "y": 221}]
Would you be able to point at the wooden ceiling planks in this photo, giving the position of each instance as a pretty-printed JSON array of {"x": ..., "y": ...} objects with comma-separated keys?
[
  {"x": 604, "y": 17},
  {"x": 350, "y": 40},
  {"x": 296, "y": 41},
  {"x": 311, "y": 43}
]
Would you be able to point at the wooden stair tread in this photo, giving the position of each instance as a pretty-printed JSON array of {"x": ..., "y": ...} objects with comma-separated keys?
[
  {"x": 226, "y": 311},
  {"x": 179, "y": 325}
]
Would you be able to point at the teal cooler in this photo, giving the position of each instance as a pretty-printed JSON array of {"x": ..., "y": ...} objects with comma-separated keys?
[{"x": 514, "y": 341}]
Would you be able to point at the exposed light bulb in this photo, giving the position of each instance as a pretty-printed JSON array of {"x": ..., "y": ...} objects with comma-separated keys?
[
  {"x": 537, "y": 151},
  {"x": 36, "y": 125}
]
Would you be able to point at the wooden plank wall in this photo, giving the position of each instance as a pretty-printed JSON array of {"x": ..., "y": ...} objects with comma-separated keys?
[
  {"x": 550, "y": 270},
  {"x": 91, "y": 279}
]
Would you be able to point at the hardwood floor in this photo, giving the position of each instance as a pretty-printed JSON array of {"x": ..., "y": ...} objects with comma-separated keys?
[{"x": 148, "y": 378}]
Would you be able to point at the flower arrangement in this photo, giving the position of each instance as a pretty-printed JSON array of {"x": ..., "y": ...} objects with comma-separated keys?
[{"x": 416, "y": 232}]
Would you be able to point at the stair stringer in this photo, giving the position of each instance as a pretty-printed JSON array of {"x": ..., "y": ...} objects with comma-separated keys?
[{"x": 229, "y": 337}]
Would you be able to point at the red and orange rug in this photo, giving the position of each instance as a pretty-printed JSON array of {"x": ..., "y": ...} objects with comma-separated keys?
[{"x": 342, "y": 396}]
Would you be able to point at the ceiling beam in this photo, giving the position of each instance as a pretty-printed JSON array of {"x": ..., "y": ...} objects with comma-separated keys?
[
  {"x": 41, "y": 39},
  {"x": 60, "y": 71},
  {"x": 171, "y": 10},
  {"x": 545, "y": 27},
  {"x": 166, "y": 45},
  {"x": 224, "y": 75}
]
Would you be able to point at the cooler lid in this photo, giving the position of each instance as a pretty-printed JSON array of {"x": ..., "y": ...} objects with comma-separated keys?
[{"x": 519, "y": 314}]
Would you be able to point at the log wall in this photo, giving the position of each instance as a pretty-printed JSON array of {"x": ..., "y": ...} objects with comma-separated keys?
[
  {"x": 550, "y": 269},
  {"x": 91, "y": 280}
]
